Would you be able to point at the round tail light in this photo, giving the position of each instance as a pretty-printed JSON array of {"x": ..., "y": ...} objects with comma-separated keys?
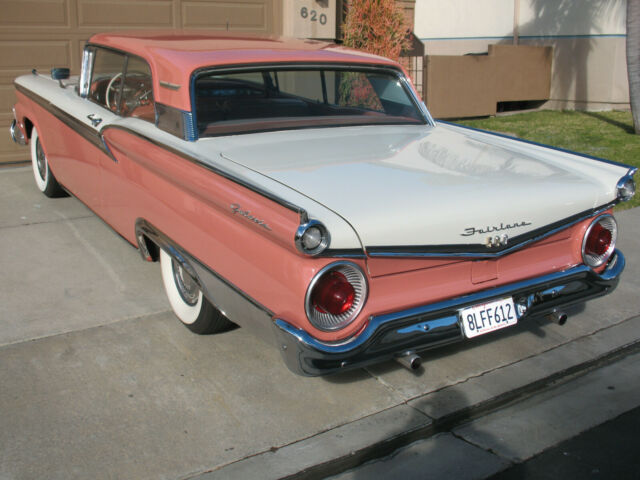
[
  {"x": 335, "y": 296},
  {"x": 599, "y": 241}
]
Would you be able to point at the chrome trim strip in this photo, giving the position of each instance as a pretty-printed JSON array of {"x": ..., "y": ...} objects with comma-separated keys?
[
  {"x": 420, "y": 328},
  {"x": 170, "y": 86},
  {"x": 236, "y": 304},
  {"x": 479, "y": 250},
  {"x": 531, "y": 142},
  {"x": 420, "y": 105},
  {"x": 280, "y": 201},
  {"x": 84, "y": 130}
]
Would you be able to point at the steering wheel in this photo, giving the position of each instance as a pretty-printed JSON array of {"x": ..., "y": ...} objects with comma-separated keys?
[
  {"x": 115, "y": 88},
  {"x": 135, "y": 92}
]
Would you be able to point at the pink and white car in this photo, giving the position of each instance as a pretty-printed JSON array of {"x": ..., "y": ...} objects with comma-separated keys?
[{"x": 302, "y": 190}]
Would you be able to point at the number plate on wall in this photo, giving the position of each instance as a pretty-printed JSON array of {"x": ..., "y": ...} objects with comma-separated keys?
[{"x": 310, "y": 18}]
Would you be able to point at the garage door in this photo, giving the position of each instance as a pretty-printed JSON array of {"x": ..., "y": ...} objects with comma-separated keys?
[{"x": 45, "y": 33}]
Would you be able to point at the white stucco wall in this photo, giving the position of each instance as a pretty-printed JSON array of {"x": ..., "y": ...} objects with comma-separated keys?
[{"x": 588, "y": 36}]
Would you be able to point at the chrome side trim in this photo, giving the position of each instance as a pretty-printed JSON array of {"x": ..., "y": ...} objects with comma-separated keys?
[
  {"x": 480, "y": 250},
  {"x": 83, "y": 129},
  {"x": 169, "y": 85},
  {"x": 390, "y": 335},
  {"x": 280, "y": 201},
  {"x": 234, "y": 303}
]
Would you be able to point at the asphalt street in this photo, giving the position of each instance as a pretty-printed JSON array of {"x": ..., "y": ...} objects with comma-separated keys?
[{"x": 99, "y": 380}]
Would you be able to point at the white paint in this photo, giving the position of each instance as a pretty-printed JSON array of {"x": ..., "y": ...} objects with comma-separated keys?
[
  {"x": 398, "y": 185},
  {"x": 415, "y": 185},
  {"x": 453, "y": 19}
]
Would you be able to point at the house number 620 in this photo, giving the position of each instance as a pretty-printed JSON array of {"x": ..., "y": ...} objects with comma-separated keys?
[{"x": 313, "y": 16}]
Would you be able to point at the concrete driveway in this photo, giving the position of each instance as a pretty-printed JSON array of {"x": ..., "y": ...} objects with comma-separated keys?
[{"x": 99, "y": 380}]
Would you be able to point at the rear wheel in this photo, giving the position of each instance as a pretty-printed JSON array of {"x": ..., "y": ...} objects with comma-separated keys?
[
  {"x": 187, "y": 300},
  {"x": 42, "y": 174}
]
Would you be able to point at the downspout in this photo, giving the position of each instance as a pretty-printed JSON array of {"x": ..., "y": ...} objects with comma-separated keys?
[{"x": 516, "y": 21}]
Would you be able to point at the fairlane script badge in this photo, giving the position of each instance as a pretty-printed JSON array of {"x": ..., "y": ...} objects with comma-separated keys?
[
  {"x": 237, "y": 209},
  {"x": 490, "y": 229}
]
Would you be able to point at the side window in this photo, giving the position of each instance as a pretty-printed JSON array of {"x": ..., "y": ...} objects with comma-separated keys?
[
  {"x": 106, "y": 79},
  {"x": 137, "y": 92},
  {"x": 122, "y": 84}
]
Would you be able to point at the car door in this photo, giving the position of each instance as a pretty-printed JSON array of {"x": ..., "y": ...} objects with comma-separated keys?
[{"x": 75, "y": 146}]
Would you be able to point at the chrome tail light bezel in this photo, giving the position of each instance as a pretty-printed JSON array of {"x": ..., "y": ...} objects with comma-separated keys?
[
  {"x": 328, "y": 322},
  {"x": 608, "y": 222}
]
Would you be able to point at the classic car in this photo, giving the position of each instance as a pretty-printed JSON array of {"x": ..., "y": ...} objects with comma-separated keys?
[{"x": 302, "y": 190}]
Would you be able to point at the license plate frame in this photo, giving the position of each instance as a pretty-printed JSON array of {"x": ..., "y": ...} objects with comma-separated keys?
[{"x": 483, "y": 318}]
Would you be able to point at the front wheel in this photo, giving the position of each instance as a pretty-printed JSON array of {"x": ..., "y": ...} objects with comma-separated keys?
[
  {"x": 42, "y": 174},
  {"x": 187, "y": 300}
]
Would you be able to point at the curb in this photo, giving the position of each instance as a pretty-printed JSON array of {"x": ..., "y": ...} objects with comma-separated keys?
[{"x": 378, "y": 435}]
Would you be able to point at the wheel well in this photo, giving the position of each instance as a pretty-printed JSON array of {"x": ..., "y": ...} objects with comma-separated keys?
[
  {"x": 28, "y": 126},
  {"x": 148, "y": 248}
]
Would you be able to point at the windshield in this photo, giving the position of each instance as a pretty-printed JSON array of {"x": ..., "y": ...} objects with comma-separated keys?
[{"x": 282, "y": 98}]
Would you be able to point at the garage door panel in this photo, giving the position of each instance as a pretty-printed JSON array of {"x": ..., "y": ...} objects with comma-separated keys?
[
  {"x": 18, "y": 56},
  {"x": 110, "y": 13},
  {"x": 45, "y": 33},
  {"x": 240, "y": 15},
  {"x": 35, "y": 14}
]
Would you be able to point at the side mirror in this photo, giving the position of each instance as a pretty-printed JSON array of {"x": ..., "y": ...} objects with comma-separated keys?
[{"x": 59, "y": 73}]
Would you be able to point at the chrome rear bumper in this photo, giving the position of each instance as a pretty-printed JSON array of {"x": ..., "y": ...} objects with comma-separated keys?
[{"x": 420, "y": 328}]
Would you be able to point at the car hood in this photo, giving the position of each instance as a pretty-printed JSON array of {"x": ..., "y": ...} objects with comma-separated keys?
[{"x": 415, "y": 186}]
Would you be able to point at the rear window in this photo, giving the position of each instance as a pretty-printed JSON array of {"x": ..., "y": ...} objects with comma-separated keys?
[{"x": 282, "y": 98}]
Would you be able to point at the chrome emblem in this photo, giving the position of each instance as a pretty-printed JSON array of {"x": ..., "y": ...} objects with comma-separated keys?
[
  {"x": 494, "y": 228},
  {"x": 237, "y": 210},
  {"x": 497, "y": 241}
]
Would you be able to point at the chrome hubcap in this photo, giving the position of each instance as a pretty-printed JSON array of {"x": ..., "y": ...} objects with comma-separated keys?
[
  {"x": 186, "y": 285},
  {"x": 41, "y": 161}
]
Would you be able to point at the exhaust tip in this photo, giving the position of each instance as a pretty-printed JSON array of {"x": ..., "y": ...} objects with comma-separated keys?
[
  {"x": 410, "y": 361},
  {"x": 558, "y": 317}
]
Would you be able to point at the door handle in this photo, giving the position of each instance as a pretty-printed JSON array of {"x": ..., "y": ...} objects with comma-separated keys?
[{"x": 95, "y": 121}]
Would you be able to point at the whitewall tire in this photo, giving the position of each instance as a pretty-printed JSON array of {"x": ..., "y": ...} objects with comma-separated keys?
[
  {"x": 45, "y": 180},
  {"x": 187, "y": 301}
]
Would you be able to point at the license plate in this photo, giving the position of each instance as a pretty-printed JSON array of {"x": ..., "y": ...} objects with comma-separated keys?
[{"x": 488, "y": 317}]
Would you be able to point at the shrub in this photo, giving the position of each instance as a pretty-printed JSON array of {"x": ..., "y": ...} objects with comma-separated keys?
[{"x": 376, "y": 26}]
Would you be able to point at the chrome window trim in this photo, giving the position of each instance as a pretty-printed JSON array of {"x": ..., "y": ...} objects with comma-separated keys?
[
  {"x": 399, "y": 74},
  {"x": 88, "y": 55}
]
